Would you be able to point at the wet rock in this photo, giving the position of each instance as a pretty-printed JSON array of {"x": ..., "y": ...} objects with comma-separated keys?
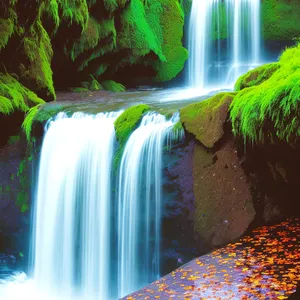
[{"x": 223, "y": 201}]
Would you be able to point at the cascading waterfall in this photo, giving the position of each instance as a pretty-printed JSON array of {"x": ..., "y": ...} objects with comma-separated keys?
[
  {"x": 88, "y": 244},
  {"x": 72, "y": 228},
  {"x": 139, "y": 202},
  {"x": 235, "y": 26}
]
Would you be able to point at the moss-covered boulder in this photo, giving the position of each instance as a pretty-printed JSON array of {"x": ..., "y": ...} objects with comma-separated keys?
[
  {"x": 256, "y": 76},
  {"x": 125, "y": 125},
  {"x": 269, "y": 109},
  {"x": 206, "y": 119}
]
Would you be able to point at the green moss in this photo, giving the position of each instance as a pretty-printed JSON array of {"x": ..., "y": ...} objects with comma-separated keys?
[
  {"x": 38, "y": 50},
  {"x": 113, "y": 86},
  {"x": 90, "y": 38},
  {"x": 256, "y": 76},
  {"x": 206, "y": 119},
  {"x": 171, "y": 22},
  {"x": 125, "y": 125},
  {"x": 280, "y": 19},
  {"x": 271, "y": 110},
  {"x": 177, "y": 126},
  {"x": 14, "y": 96},
  {"x": 140, "y": 30}
]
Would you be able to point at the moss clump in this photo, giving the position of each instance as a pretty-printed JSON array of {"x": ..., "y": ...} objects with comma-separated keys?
[
  {"x": 127, "y": 122},
  {"x": 113, "y": 86},
  {"x": 90, "y": 38},
  {"x": 280, "y": 19},
  {"x": 177, "y": 127},
  {"x": 14, "y": 96},
  {"x": 256, "y": 76},
  {"x": 124, "y": 126},
  {"x": 171, "y": 22},
  {"x": 271, "y": 110},
  {"x": 206, "y": 119}
]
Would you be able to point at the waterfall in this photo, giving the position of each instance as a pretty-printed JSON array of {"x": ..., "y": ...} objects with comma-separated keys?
[
  {"x": 140, "y": 202},
  {"x": 93, "y": 240},
  {"x": 72, "y": 217},
  {"x": 224, "y": 41}
]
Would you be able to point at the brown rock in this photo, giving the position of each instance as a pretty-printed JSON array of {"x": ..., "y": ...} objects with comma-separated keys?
[{"x": 223, "y": 202}]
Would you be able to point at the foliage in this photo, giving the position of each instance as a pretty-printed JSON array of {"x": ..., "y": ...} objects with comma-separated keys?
[
  {"x": 28, "y": 121},
  {"x": 270, "y": 110},
  {"x": 14, "y": 96},
  {"x": 6, "y": 30},
  {"x": 38, "y": 50},
  {"x": 113, "y": 86},
  {"x": 41, "y": 114}
]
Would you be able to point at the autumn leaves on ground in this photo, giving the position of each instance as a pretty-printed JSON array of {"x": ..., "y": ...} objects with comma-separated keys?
[{"x": 264, "y": 265}]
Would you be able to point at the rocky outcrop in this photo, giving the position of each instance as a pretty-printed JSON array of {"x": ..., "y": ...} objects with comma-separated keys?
[{"x": 223, "y": 202}]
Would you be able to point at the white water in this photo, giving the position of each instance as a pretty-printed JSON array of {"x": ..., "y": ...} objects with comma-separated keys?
[
  {"x": 219, "y": 63},
  {"x": 86, "y": 246},
  {"x": 140, "y": 202}
]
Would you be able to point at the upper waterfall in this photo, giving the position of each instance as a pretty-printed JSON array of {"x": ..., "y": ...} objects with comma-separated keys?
[{"x": 224, "y": 41}]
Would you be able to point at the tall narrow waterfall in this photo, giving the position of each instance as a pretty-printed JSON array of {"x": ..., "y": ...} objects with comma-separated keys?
[
  {"x": 140, "y": 185},
  {"x": 224, "y": 41},
  {"x": 73, "y": 227}
]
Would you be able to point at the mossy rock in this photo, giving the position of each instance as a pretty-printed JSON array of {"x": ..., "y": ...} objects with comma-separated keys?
[
  {"x": 125, "y": 124},
  {"x": 172, "y": 22},
  {"x": 270, "y": 111},
  {"x": 205, "y": 120},
  {"x": 256, "y": 76},
  {"x": 128, "y": 120}
]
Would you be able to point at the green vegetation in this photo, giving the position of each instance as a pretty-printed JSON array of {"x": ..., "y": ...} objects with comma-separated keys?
[
  {"x": 256, "y": 76},
  {"x": 41, "y": 114},
  {"x": 206, "y": 119},
  {"x": 14, "y": 96},
  {"x": 269, "y": 108},
  {"x": 113, "y": 86},
  {"x": 171, "y": 22},
  {"x": 280, "y": 19},
  {"x": 125, "y": 125},
  {"x": 38, "y": 50}
]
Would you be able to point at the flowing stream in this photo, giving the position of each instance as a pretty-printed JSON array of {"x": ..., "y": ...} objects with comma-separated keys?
[{"x": 224, "y": 41}]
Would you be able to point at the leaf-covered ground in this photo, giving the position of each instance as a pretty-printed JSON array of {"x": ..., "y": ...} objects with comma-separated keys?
[{"x": 264, "y": 265}]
